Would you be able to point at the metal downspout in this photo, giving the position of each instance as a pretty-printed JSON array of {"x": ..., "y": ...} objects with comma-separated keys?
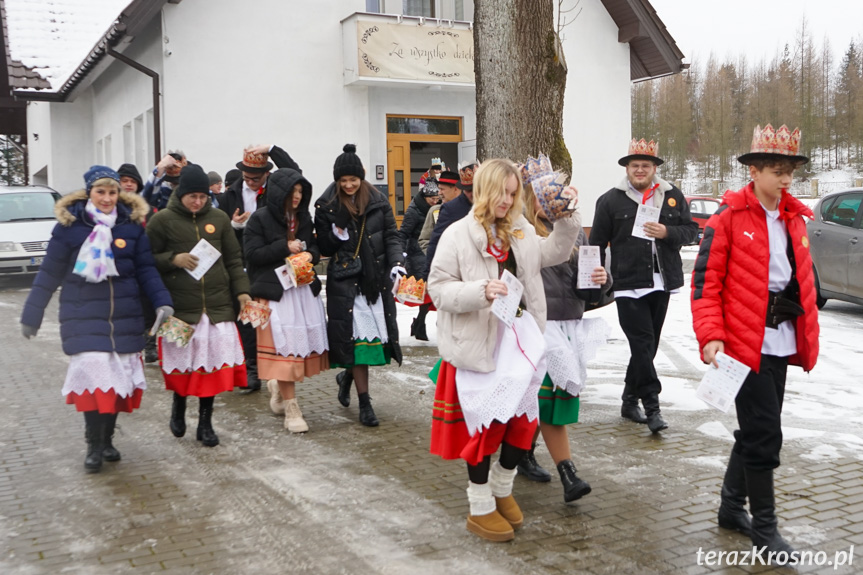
[{"x": 157, "y": 110}]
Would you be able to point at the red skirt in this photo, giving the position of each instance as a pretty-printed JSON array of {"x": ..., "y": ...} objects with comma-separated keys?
[
  {"x": 449, "y": 434},
  {"x": 105, "y": 401},
  {"x": 200, "y": 383}
]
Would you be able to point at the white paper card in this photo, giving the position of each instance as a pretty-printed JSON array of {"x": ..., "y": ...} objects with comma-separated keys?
[
  {"x": 506, "y": 306},
  {"x": 719, "y": 386},
  {"x": 286, "y": 278},
  {"x": 588, "y": 260},
  {"x": 644, "y": 215},
  {"x": 207, "y": 255}
]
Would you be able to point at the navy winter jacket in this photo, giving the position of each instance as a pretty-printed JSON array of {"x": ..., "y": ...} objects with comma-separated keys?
[{"x": 105, "y": 316}]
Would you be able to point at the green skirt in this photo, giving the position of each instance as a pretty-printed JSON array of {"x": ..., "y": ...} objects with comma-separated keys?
[
  {"x": 368, "y": 353},
  {"x": 556, "y": 406}
]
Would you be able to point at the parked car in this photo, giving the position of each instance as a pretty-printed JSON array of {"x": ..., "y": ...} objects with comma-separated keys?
[
  {"x": 26, "y": 221},
  {"x": 836, "y": 243},
  {"x": 701, "y": 208}
]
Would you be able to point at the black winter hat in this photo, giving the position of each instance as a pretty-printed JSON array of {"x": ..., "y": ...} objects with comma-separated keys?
[
  {"x": 232, "y": 176},
  {"x": 193, "y": 179},
  {"x": 131, "y": 171},
  {"x": 348, "y": 164}
]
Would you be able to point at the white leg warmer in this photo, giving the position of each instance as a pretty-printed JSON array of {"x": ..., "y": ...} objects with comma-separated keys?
[
  {"x": 501, "y": 480},
  {"x": 480, "y": 498}
]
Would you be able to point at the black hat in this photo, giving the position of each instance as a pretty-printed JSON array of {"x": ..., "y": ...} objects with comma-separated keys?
[
  {"x": 254, "y": 162},
  {"x": 772, "y": 145},
  {"x": 642, "y": 150},
  {"x": 131, "y": 171},
  {"x": 348, "y": 164},
  {"x": 430, "y": 188},
  {"x": 193, "y": 179},
  {"x": 232, "y": 176},
  {"x": 448, "y": 177}
]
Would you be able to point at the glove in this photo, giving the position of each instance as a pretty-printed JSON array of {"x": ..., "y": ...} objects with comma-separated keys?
[
  {"x": 397, "y": 270},
  {"x": 29, "y": 331},
  {"x": 186, "y": 261},
  {"x": 163, "y": 312},
  {"x": 343, "y": 217},
  {"x": 243, "y": 298}
]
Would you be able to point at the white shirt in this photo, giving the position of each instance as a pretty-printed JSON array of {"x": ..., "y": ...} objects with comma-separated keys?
[
  {"x": 250, "y": 199},
  {"x": 782, "y": 341}
]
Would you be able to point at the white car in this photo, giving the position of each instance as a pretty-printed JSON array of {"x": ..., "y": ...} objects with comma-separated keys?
[{"x": 26, "y": 221}]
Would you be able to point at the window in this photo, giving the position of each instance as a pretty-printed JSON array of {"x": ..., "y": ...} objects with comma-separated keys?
[
  {"x": 844, "y": 210},
  {"x": 373, "y": 6},
  {"x": 418, "y": 8},
  {"x": 433, "y": 126},
  {"x": 27, "y": 206}
]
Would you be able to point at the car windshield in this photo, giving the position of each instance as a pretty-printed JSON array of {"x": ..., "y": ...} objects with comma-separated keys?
[
  {"x": 26, "y": 206},
  {"x": 710, "y": 207}
]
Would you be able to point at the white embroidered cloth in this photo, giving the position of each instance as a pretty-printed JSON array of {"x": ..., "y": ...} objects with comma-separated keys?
[
  {"x": 512, "y": 388},
  {"x": 92, "y": 370},
  {"x": 298, "y": 323},
  {"x": 369, "y": 319},
  {"x": 570, "y": 346},
  {"x": 211, "y": 347}
]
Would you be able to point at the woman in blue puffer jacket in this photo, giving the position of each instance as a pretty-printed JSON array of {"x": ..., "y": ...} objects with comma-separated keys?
[{"x": 100, "y": 255}]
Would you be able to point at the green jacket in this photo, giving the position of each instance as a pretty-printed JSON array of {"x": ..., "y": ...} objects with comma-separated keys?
[{"x": 175, "y": 230}]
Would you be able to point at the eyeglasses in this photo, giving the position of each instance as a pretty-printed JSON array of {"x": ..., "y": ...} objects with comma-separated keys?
[{"x": 253, "y": 179}]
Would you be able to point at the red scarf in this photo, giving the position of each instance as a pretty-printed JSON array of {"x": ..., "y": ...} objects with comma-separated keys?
[{"x": 648, "y": 195}]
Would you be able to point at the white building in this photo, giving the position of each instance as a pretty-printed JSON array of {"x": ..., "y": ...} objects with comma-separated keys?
[{"x": 393, "y": 76}]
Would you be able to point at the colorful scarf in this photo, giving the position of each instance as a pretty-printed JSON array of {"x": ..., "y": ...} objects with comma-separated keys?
[{"x": 95, "y": 259}]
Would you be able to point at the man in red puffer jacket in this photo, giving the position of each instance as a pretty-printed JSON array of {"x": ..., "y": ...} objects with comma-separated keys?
[{"x": 753, "y": 298}]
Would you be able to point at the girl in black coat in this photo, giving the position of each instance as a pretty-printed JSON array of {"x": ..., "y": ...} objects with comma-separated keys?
[
  {"x": 355, "y": 221},
  {"x": 293, "y": 345}
]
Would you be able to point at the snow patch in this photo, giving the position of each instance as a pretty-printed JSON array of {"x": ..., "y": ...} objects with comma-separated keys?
[{"x": 716, "y": 429}]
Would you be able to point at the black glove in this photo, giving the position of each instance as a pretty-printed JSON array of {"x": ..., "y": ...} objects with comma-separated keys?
[{"x": 343, "y": 217}]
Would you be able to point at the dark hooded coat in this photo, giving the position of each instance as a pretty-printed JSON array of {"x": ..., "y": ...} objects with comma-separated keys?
[{"x": 412, "y": 225}]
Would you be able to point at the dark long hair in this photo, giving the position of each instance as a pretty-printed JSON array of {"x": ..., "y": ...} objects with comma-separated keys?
[{"x": 363, "y": 197}]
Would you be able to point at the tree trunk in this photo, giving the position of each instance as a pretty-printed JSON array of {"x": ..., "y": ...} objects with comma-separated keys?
[{"x": 520, "y": 81}]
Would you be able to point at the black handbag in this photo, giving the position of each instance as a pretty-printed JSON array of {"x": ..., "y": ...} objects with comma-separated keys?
[{"x": 350, "y": 266}]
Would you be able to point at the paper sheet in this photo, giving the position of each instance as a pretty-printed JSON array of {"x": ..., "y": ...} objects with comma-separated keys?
[
  {"x": 588, "y": 260},
  {"x": 644, "y": 215},
  {"x": 286, "y": 278},
  {"x": 719, "y": 386},
  {"x": 207, "y": 255},
  {"x": 506, "y": 306}
]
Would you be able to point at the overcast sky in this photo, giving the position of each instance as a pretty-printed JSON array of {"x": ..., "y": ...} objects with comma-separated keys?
[{"x": 758, "y": 28}]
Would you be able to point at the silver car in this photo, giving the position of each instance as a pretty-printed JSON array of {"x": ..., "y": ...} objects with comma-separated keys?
[
  {"x": 26, "y": 221},
  {"x": 836, "y": 243}
]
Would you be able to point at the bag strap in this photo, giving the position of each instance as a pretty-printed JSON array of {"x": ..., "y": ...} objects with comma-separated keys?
[{"x": 362, "y": 233}]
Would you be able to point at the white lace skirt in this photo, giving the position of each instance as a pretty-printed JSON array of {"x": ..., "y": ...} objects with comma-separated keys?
[
  {"x": 570, "y": 345},
  {"x": 512, "y": 388},
  {"x": 91, "y": 370},
  {"x": 298, "y": 323},
  {"x": 211, "y": 347},
  {"x": 369, "y": 319}
]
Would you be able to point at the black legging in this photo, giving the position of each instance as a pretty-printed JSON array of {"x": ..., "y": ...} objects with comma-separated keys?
[{"x": 509, "y": 458}]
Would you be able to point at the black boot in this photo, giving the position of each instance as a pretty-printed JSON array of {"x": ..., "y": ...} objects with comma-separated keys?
[
  {"x": 629, "y": 409},
  {"x": 764, "y": 532},
  {"x": 178, "y": 415},
  {"x": 93, "y": 433},
  {"x": 151, "y": 351},
  {"x": 367, "y": 414},
  {"x": 206, "y": 435},
  {"x": 654, "y": 417},
  {"x": 109, "y": 452},
  {"x": 731, "y": 514},
  {"x": 253, "y": 383},
  {"x": 529, "y": 467},
  {"x": 418, "y": 327},
  {"x": 345, "y": 379},
  {"x": 573, "y": 486}
]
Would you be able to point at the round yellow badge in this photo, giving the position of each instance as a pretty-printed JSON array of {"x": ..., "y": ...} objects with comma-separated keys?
[
  {"x": 805, "y": 242},
  {"x": 210, "y": 228},
  {"x": 120, "y": 243},
  {"x": 518, "y": 233},
  {"x": 672, "y": 202}
]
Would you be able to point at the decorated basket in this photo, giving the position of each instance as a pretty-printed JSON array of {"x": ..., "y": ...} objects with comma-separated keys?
[
  {"x": 550, "y": 187},
  {"x": 302, "y": 270},
  {"x": 411, "y": 290},
  {"x": 255, "y": 313},
  {"x": 176, "y": 330}
]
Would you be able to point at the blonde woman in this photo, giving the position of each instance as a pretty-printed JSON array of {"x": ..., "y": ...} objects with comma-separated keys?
[{"x": 490, "y": 374}]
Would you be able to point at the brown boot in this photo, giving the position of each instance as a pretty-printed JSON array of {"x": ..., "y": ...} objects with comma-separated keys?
[
  {"x": 509, "y": 510},
  {"x": 484, "y": 520},
  {"x": 500, "y": 480}
]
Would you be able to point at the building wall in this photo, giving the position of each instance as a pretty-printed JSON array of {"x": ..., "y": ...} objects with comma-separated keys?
[{"x": 39, "y": 150}]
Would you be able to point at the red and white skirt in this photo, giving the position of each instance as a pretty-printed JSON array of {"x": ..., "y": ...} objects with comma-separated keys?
[{"x": 105, "y": 382}]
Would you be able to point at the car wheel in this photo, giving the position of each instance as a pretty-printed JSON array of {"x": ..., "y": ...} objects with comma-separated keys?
[{"x": 820, "y": 300}]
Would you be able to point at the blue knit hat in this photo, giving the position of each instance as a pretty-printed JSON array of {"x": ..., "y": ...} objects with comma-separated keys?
[{"x": 96, "y": 173}]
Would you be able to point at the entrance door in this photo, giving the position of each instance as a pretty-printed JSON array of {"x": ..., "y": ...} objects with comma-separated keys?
[{"x": 399, "y": 165}]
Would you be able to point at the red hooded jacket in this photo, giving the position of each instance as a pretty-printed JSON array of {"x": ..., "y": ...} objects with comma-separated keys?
[{"x": 730, "y": 279}]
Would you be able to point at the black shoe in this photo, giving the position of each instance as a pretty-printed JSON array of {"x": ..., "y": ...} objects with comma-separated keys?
[
  {"x": 632, "y": 412},
  {"x": 206, "y": 434},
  {"x": 151, "y": 354},
  {"x": 420, "y": 332},
  {"x": 573, "y": 487},
  {"x": 93, "y": 434},
  {"x": 367, "y": 414},
  {"x": 252, "y": 386},
  {"x": 414, "y": 327},
  {"x": 656, "y": 423},
  {"x": 109, "y": 452},
  {"x": 731, "y": 514},
  {"x": 764, "y": 532},
  {"x": 529, "y": 467},
  {"x": 345, "y": 379},
  {"x": 178, "y": 416}
]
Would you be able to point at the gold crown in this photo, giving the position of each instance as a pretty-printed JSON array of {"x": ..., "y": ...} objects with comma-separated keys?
[
  {"x": 255, "y": 160},
  {"x": 643, "y": 148},
  {"x": 411, "y": 289},
  {"x": 769, "y": 141},
  {"x": 535, "y": 167}
]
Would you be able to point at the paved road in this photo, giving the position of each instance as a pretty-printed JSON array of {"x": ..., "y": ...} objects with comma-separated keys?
[{"x": 348, "y": 499}]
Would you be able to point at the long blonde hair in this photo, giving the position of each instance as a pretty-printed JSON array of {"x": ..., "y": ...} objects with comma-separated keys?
[
  {"x": 489, "y": 190},
  {"x": 536, "y": 220}
]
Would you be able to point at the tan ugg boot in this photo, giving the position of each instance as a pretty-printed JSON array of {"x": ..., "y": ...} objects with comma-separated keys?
[
  {"x": 500, "y": 480},
  {"x": 277, "y": 404},
  {"x": 294, "y": 421},
  {"x": 484, "y": 520}
]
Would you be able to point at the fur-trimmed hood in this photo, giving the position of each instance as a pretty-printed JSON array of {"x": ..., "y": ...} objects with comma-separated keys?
[{"x": 71, "y": 206}]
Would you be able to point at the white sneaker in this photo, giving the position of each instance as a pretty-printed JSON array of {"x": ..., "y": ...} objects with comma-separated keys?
[
  {"x": 294, "y": 421},
  {"x": 277, "y": 404}
]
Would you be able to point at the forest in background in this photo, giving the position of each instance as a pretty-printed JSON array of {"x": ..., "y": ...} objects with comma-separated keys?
[{"x": 703, "y": 117}]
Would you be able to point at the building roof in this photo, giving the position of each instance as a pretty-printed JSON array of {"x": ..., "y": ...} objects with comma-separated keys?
[{"x": 653, "y": 52}]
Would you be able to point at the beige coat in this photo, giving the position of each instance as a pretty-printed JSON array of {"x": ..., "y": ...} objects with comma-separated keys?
[{"x": 460, "y": 271}]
